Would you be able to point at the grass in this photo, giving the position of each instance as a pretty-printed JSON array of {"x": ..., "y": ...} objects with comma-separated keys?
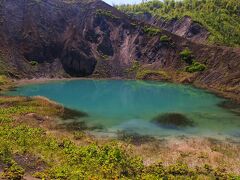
[
  {"x": 143, "y": 73},
  {"x": 5, "y": 83},
  {"x": 3, "y": 80}
]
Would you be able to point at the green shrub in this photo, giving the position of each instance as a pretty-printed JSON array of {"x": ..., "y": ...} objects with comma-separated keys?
[
  {"x": 14, "y": 171},
  {"x": 195, "y": 67},
  {"x": 187, "y": 55},
  {"x": 164, "y": 38},
  {"x": 151, "y": 31},
  {"x": 78, "y": 135},
  {"x": 5, "y": 153},
  {"x": 178, "y": 169},
  {"x": 102, "y": 12}
]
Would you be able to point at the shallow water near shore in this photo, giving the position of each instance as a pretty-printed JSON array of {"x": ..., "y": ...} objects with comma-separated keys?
[{"x": 132, "y": 106}]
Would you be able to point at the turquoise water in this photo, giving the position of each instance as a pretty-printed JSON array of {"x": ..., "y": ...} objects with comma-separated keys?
[{"x": 121, "y": 105}]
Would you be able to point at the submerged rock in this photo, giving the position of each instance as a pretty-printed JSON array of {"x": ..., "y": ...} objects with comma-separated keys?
[{"x": 173, "y": 120}]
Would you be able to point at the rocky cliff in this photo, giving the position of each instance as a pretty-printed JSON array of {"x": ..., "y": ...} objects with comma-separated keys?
[
  {"x": 184, "y": 27},
  {"x": 60, "y": 38}
]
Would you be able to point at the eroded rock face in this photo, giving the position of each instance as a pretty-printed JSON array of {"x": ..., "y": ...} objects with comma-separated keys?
[
  {"x": 173, "y": 121},
  {"x": 184, "y": 27},
  {"x": 45, "y": 32}
]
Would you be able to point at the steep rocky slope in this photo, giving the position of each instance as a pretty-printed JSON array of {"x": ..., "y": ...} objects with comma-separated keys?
[
  {"x": 184, "y": 27},
  {"x": 221, "y": 18},
  {"x": 60, "y": 38}
]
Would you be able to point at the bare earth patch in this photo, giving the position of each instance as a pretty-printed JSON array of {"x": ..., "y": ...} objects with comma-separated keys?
[{"x": 196, "y": 152}]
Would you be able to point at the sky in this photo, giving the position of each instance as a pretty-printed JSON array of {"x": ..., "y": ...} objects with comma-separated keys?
[{"x": 111, "y": 2}]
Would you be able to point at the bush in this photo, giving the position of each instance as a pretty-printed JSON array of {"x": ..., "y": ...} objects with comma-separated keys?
[
  {"x": 195, "y": 67},
  {"x": 187, "y": 55},
  {"x": 102, "y": 12},
  {"x": 14, "y": 172},
  {"x": 164, "y": 38},
  {"x": 151, "y": 31},
  {"x": 78, "y": 135}
]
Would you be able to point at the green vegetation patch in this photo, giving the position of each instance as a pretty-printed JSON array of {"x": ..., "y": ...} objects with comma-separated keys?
[
  {"x": 151, "y": 31},
  {"x": 134, "y": 67},
  {"x": 195, "y": 67},
  {"x": 5, "y": 83},
  {"x": 66, "y": 160},
  {"x": 63, "y": 158},
  {"x": 165, "y": 39},
  {"x": 220, "y": 17},
  {"x": 106, "y": 13},
  {"x": 144, "y": 73},
  {"x": 3, "y": 80},
  {"x": 187, "y": 55}
]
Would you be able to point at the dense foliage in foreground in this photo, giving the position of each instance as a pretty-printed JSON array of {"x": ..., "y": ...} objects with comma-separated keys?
[
  {"x": 60, "y": 158},
  {"x": 220, "y": 17}
]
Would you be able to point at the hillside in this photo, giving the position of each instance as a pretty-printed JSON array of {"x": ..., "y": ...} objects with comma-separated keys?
[
  {"x": 221, "y": 18},
  {"x": 54, "y": 38}
]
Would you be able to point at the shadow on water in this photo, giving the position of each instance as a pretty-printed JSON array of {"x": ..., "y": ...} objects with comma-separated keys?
[
  {"x": 72, "y": 114},
  {"x": 72, "y": 120},
  {"x": 134, "y": 138},
  {"x": 173, "y": 121},
  {"x": 230, "y": 106}
]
